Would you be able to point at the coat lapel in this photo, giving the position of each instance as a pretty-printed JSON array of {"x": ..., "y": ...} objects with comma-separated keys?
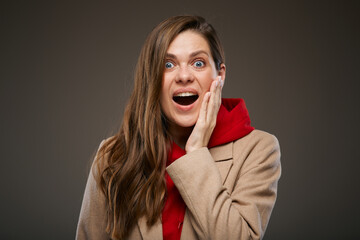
[
  {"x": 152, "y": 233},
  {"x": 187, "y": 231},
  {"x": 223, "y": 156}
]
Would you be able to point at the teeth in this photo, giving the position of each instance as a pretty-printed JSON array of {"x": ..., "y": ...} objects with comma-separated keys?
[{"x": 185, "y": 94}]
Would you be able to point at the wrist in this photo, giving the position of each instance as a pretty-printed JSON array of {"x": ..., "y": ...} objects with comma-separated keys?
[{"x": 193, "y": 148}]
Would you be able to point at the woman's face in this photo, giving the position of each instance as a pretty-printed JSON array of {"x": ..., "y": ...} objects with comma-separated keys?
[{"x": 189, "y": 72}]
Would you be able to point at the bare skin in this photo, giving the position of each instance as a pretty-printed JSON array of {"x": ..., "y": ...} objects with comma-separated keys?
[
  {"x": 198, "y": 136},
  {"x": 190, "y": 69},
  {"x": 206, "y": 122}
]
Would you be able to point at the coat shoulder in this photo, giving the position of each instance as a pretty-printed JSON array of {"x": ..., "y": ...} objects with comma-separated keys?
[
  {"x": 258, "y": 136},
  {"x": 256, "y": 139},
  {"x": 257, "y": 146}
]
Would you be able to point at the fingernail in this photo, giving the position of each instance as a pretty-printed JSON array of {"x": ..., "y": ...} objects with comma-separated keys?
[
  {"x": 221, "y": 83},
  {"x": 217, "y": 83}
]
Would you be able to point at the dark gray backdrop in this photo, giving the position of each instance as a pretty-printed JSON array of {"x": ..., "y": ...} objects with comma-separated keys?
[{"x": 66, "y": 72}]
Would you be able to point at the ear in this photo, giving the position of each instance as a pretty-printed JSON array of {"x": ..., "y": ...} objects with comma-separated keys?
[{"x": 222, "y": 71}]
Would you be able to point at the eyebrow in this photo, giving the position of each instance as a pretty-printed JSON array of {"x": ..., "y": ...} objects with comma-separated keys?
[{"x": 169, "y": 55}]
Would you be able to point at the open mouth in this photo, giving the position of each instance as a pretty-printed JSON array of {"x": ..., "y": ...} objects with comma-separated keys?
[{"x": 185, "y": 98}]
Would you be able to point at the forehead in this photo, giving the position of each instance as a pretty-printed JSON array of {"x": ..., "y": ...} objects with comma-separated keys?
[{"x": 187, "y": 42}]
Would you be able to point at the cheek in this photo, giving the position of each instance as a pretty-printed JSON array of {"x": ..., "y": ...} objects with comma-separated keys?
[{"x": 207, "y": 80}]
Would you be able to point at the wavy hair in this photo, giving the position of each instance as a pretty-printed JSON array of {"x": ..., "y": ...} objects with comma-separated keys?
[{"x": 130, "y": 166}]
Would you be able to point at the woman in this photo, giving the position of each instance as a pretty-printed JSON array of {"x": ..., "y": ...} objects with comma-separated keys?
[{"x": 185, "y": 163}]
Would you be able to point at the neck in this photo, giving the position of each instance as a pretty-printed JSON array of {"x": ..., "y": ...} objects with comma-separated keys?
[{"x": 180, "y": 134}]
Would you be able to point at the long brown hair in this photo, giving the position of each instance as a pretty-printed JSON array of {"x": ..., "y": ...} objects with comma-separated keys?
[{"x": 130, "y": 166}]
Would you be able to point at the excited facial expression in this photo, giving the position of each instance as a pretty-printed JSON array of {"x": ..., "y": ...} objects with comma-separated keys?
[{"x": 189, "y": 72}]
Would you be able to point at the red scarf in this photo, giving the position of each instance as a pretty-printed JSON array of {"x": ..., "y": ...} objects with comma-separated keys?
[{"x": 232, "y": 123}]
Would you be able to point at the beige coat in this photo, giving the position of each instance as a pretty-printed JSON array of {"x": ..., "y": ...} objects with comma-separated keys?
[{"x": 229, "y": 190}]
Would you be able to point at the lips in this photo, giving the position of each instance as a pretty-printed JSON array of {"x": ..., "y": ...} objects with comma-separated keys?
[{"x": 185, "y": 97}]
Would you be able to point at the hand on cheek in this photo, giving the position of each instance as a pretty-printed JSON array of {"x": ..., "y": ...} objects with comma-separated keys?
[{"x": 206, "y": 122}]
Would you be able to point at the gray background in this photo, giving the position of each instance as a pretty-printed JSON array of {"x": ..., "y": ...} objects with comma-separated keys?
[{"x": 66, "y": 74}]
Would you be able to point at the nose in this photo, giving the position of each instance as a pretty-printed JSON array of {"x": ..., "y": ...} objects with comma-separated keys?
[{"x": 184, "y": 75}]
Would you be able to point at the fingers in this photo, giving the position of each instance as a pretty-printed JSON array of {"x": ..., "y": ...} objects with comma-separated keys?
[
  {"x": 218, "y": 93},
  {"x": 204, "y": 107},
  {"x": 207, "y": 117},
  {"x": 211, "y": 102},
  {"x": 215, "y": 99}
]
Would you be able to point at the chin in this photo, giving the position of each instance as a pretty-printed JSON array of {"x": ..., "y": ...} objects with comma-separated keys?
[{"x": 186, "y": 121}]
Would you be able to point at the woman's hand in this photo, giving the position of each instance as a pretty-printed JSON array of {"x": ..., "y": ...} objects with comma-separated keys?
[{"x": 206, "y": 122}]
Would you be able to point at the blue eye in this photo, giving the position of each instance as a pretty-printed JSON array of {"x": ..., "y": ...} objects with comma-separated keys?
[
  {"x": 169, "y": 65},
  {"x": 199, "y": 64}
]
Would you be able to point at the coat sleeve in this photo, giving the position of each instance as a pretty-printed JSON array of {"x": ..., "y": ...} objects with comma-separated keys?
[
  {"x": 92, "y": 219},
  {"x": 243, "y": 212}
]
